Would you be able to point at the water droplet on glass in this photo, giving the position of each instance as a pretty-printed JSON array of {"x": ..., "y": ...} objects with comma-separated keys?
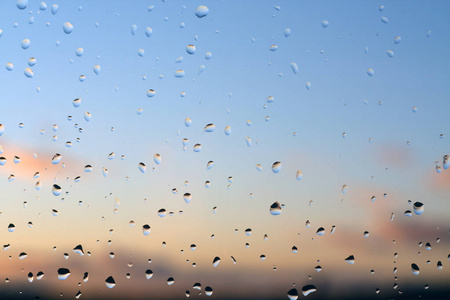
[
  {"x": 197, "y": 147},
  {"x": 308, "y": 289},
  {"x": 216, "y": 261},
  {"x": 325, "y": 23},
  {"x": 292, "y": 294},
  {"x": 294, "y": 67},
  {"x": 370, "y": 72},
  {"x": 141, "y": 52},
  {"x": 56, "y": 158},
  {"x": 201, "y": 11},
  {"x": 25, "y": 44},
  {"x": 287, "y": 32},
  {"x": 408, "y": 213},
  {"x": 384, "y": 20},
  {"x": 187, "y": 197},
  {"x": 418, "y": 208},
  {"x": 22, "y": 4},
  {"x": 97, "y": 69},
  {"x": 273, "y": 47},
  {"x": 344, "y": 189},
  {"x": 63, "y": 273},
  {"x": 110, "y": 283},
  {"x": 54, "y": 9},
  {"x": 9, "y": 66},
  {"x": 308, "y": 85},
  {"x": 11, "y": 227},
  {"x": 146, "y": 229},
  {"x": 350, "y": 259},
  {"x": 191, "y": 49},
  {"x": 68, "y": 28},
  {"x": 179, "y": 74},
  {"x": 446, "y": 162},
  {"x": 397, "y": 40},
  {"x": 56, "y": 190},
  {"x": 320, "y": 231},
  {"x": 133, "y": 29},
  {"x": 39, "y": 275},
  {"x": 439, "y": 265},
  {"x": 209, "y": 128},
  {"x": 208, "y": 291},
  {"x": 150, "y": 93},
  {"x": 275, "y": 208},
  {"x": 276, "y": 167},
  {"x": 148, "y": 31},
  {"x": 390, "y": 53},
  {"x": 31, "y": 61},
  {"x": 28, "y": 73}
]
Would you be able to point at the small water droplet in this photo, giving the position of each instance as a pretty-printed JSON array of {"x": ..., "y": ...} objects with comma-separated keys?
[
  {"x": 150, "y": 93},
  {"x": 28, "y": 73},
  {"x": 146, "y": 229},
  {"x": 418, "y": 208},
  {"x": 308, "y": 289},
  {"x": 148, "y": 31},
  {"x": 287, "y": 32},
  {"x": 370, "y": 72},
  {"x": 56, "y": 158},
  {"x": 390, "y": 53},
  {"x": 325, "y": 23},
  {"x": 308, "y": 85},
  {"x": 110, "y": 283},
  {"x": 56, "y": 190},
  {"x": 275, "y": 208},
  {"x": 415, "y": 269},
  {"x": 446, "y": 162},
  {"x": 273, "y": 47},
  {"x": 384, "y": 20},
  {"x": 209, "y": 128},
  {"x": 197, "y": 147},
  {"x": 320, "y": 231},
  {"x": 397, "y": 40},
  {"x": 187, "y": 197},
  {"x": 54, "y": 9}
]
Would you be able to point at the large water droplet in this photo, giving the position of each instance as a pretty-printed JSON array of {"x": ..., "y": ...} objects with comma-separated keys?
[
  {"x": 308, "y": 289},
  {"x": 150, "y": 93},
  {"x": 191, "y": 49},
  {"x": 28, "y": 73},
  {"x": 68, "y": 28},
  {"x": 146, "y": 229},
  {"x": 25, "y": 44},
  {"x": 201, "y": 11},
  {"x": 187, "y": 197},
  {"x": 292, "y": 294},
  {"x": 11, "y": 227},
  {"x": 275, "y": 208},
  {"x": 56, "y": 190},
  {"x": 418, "y": 208},
  {"x": 208, "y": 291},
  {"x": 79, "y": 250},
  {"x": 350, "y": 259},
  {"x": 148, "y": 31},
  {"x": 9, "y": 66},
  {"x": 209, "y": 128},
  {"x": 320, "y": 231},
  {"x": 110, "y": 283},
  {"x": 56, "y": 158},
  {"x": 63, "y": 273},
  {"x": 148, "y": 274},
  {"x": 97, "y": 69},
  {"x": 276, "y": 167},
  {"x": 54, "y": 9},
  {"x": 22, "y": 4}
]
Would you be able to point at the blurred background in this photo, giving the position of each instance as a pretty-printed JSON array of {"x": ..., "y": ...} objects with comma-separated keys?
[{"x": 195, "y": 118}]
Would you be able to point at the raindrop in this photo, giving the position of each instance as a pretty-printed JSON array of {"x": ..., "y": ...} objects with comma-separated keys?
[
  {"x": 208, "y": 55},
  {"x": 397, "y": 40},
  {"x": 418, "y": 208},
  {"x": 390, "y": 53},
  {"x": 148, "y": 31},
  {"x": 408, "y": 213},
  {"x": 28, "y": 73},
  {"x": 208, "y": 291},
  {"x": 216, "y": 261},
  {"x": 190, "y": 49},
  {"x": 63, "y": 273},
  {"x": 344, "y": 189},
  {"x": 299, "y": 175},
  {"x": 54, "y": 9},
  {"x": 350, "y": 259},
  {"x": 133, "y": 29},
  {"x": 275, "y": 209},
  {"x": 56, "y": 158},
  {"x": 68, "y": 28},
  {"x": 187, "y": 197},
  {"x": 446, "y": 162},
  {"x": 79, "y": 52},
  {"x": 141, "y": 52},
  {"x": 9, "y": 66},
  {"x": 179, "y": 74},
  {"x": 366, "y": 234},
  {"x": 201, "y": 11},
  {"x": 142, "y": 167},
  {"x": 227, "y": 130},
  {"x": 97, "y": 69},
  {"x": 88, "y": 168},
  {"x": 32, "y": 61},
  {"x": 209, "y": 128},
  {"x": 110, "y": 283},
  {"x": 259, "y": 167},
  {"x": 150, "y": 93},
  {"x": 287, "y": 32},
  {"x": 22, "y": 4},
  {"x": 308, "y": 85},
  {"x": 157, "y": 158},
  {"x": 161, "y": 212},
  {"x": 384, "y": 20},
  {"x": 325, "y": 23},
  {"x": 294, "y": 249},
  {"x": 439, "y": 265},
  {"x": 11, "y": 227},
  {"x": 79, "y": 250},
  {"x": 273, "y": 47},
  {"x": 248, "y": 140},
  {"x": 292, "y": 294},
  {"x": 39, "y": 275},
  {"x": 294, "y": 67},
  {"x": 56, "y": 190},
  {"x": 276, "y": 167},
  {"x": 197, "y": 147},
  {"x": 370, "y": 72},
  {"x": 146, "y": 229}
]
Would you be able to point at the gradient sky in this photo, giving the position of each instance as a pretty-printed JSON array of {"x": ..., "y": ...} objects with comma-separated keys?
[{"x": 389, "y": 149}]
